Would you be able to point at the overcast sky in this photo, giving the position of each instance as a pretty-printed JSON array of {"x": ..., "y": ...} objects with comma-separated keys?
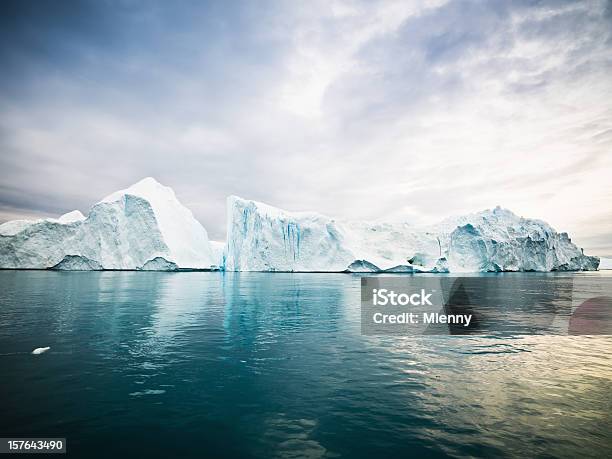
[{"x": 365, "y": 110}]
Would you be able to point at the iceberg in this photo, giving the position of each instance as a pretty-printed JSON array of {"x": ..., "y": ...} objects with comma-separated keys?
[
  {"x": 264, "y": 238},
  {"x": 128, "y": 229},
  {"x": 145, "y": 227}
]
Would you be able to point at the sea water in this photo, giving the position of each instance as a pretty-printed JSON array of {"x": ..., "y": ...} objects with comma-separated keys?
[{"x": 152, "y": 364}]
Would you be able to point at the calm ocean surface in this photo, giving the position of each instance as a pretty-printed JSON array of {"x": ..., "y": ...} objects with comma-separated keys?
[{"x": 274, "y": 365}]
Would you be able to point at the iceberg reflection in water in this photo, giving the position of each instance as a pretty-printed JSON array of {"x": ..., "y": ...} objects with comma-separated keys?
[{"x": 261, "y": 364}]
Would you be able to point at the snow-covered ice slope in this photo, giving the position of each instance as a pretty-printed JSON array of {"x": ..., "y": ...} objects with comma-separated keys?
[
  {"x": 123, "y": 231},
  {"x": 263, "y": 238}
]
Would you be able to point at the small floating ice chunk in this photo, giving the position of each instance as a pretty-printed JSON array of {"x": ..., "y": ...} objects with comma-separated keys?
[{"x": 40, "y": 350}]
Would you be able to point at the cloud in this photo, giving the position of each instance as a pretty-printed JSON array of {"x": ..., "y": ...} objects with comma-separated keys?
[{"x": 401, "y": 110}]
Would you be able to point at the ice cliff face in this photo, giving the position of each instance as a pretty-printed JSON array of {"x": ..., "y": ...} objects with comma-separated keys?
[
  {"x": 126, "y": 230},
  {"x": 263, "y": 238}
]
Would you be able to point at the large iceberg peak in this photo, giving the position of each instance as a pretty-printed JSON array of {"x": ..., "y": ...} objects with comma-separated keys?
[
  {"x": 125, "y": 230},
  {"x": 186, "y": 238},
  {"x": 148, "y": 188}
]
